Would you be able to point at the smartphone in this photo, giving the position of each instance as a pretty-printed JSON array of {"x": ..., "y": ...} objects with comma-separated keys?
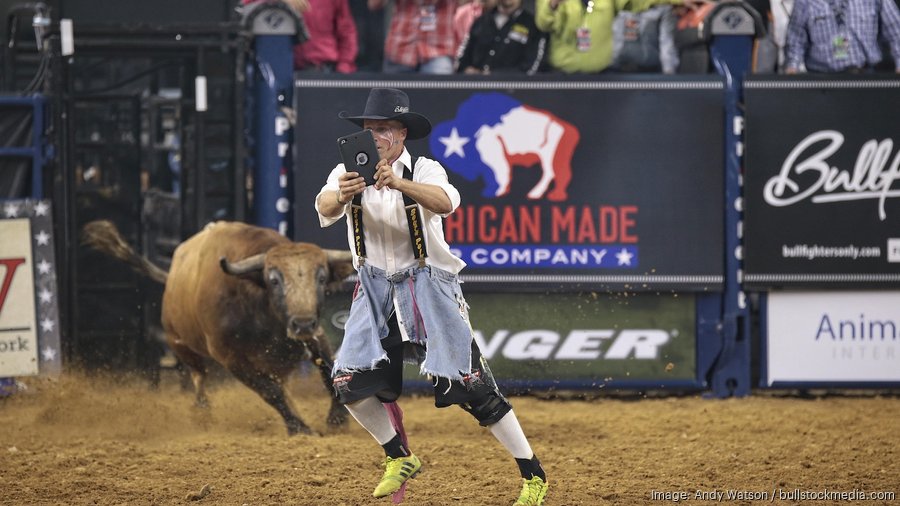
[{"x": 359, "y": 153}]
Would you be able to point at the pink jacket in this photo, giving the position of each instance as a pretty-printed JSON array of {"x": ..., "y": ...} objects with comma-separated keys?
[{"x": 332, "y": 37}]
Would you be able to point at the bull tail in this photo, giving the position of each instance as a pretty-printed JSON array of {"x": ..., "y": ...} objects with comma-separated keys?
[{"x": 103, "y": 236}]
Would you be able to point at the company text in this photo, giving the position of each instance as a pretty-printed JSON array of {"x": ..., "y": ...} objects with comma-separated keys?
[
  {"x": 489, "y": 224},
  {"x": 814, "y": 251}
]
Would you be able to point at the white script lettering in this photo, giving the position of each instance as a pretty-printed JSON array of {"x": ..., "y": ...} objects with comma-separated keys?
[{"x": 870, "y": 177}]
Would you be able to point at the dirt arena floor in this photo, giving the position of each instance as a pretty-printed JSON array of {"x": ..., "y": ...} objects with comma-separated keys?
[{"x": 78, "y": 441}]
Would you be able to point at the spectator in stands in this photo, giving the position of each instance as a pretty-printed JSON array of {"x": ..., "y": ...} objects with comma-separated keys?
[
  {"x": 581, "y": 34},
  {"x": 768, "y": 51},
  {"x": 840, "y": 35},
  {"x": 645, "y": 41},
  {"x": 466, "y": 14},
  {"x": 503, "y": 39},
  {"x": 332, "y": 43},
  {"x": 420, "y": 38},
  {"x": 370, "y": 35}
]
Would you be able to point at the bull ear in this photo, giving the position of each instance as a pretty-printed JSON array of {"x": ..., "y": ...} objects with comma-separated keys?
[{"x": 341, "y": 265}]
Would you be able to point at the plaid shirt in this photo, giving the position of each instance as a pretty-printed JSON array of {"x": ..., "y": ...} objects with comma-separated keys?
[
  {"x": 421, "y": 30},
  {"x": 463, "y": 19},
  {"x": 816, "y": 26}
]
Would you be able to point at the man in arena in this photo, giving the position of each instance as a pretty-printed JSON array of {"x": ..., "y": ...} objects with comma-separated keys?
[{"x": 408, "y": 302}]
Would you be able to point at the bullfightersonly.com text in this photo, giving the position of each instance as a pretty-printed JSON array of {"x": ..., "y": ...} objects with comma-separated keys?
[{"x": 776, "y": 494}]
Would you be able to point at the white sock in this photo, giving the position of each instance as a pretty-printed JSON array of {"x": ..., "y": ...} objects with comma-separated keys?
[
  {"x": 372, "y": 415},
  {"x": 509, "y": 433}
]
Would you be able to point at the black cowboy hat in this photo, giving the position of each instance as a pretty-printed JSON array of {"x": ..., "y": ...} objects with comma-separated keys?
[{"x": 390, "y": 103}]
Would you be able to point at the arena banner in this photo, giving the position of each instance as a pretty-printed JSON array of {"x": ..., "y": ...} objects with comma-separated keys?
[
  {"x": 580, "y": 340},
  {"x": 821, "y": 202},
  {"x": 832, "y": 337},
  {"x": 612, "y": 182},
  {"x": 29, "y": 316}
]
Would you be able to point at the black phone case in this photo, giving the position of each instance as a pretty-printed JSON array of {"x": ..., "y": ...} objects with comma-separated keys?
[{"x": 359, "y": 153}]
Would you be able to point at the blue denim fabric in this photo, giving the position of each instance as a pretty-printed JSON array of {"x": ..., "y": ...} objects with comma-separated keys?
[
  {"x": 436, "y": 65},
  {"x": 433, "y": 311}
]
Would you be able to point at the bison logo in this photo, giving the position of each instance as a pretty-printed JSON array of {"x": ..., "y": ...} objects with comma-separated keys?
[{"x": 494, "y": 133}]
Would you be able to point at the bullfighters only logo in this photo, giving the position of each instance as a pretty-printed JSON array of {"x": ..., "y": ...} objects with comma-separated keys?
[{"x": 493, "y": 134}]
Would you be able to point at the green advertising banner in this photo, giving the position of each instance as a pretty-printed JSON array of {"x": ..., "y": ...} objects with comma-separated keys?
[{"x": 578, "y": 339}]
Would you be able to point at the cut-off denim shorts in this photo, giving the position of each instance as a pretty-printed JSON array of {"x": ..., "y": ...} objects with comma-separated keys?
[{"x": 432, "y": 309}]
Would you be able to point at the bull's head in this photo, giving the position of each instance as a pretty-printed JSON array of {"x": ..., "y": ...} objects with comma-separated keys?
[{"x": 295, "y": 277}]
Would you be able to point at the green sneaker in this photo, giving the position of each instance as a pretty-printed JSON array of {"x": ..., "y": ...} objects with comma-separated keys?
[
  {"x": 533, "y": 492},
  {"x": 396, "y": 472}
]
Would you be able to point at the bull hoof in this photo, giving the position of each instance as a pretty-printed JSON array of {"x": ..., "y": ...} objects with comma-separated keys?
[
  {"x": 337, "y": 416},
  {"x": 300, "y": 429}
]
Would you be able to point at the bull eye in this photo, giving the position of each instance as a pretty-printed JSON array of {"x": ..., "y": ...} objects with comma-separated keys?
[
  {"x": 321, "y": 278},
  {"x": 274, "y": 278}
]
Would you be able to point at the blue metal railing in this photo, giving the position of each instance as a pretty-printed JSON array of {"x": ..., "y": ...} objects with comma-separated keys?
[{"x": 35, "y": 151}]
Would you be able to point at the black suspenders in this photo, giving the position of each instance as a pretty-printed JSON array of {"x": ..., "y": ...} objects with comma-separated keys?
[
  {"x": 356, "y": 216},
  {"x": 413, "y": 220}
]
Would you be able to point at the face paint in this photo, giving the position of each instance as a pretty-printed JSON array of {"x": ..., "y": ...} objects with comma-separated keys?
[
  {"x": 389, "y": 146},
  {"x": 385, "y": 133}
]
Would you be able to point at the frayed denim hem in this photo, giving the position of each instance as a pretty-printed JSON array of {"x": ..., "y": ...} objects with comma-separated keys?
[{"x": 353, "y": 368}]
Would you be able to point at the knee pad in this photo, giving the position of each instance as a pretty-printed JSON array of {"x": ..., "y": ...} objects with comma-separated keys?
[{"x": 488, "y": 409}]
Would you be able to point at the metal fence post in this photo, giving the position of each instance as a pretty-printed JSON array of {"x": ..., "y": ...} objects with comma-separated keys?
[
  {"x": 733, "y": 26},
  {"x": 276, "y": 28}
]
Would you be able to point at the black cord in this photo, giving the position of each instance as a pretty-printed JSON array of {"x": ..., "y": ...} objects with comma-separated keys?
[
  {"x": 40, "y": 12},
  {"x": 36, "y": 9},
  {"x": 38, "y": 80}
]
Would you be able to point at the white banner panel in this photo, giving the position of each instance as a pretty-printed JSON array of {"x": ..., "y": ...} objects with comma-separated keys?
[
  {"x": 833, "y": 337},
  {"x": 18, "y": 332}
]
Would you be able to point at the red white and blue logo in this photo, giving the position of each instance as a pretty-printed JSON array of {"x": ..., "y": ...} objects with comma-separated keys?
[
  {"x": 493, "y": 140},
  {"x": 494, "y": 133}
]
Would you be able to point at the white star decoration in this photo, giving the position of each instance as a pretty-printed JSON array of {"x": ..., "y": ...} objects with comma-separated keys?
[
  {"x": 11, "y": 210},
  {"x": 46, "y": 310},
  {"x": 624, "y": 257},
  {"x": 43, "y": 238},
  {"x": 48, "y": 354},
  {"x": 47, "y": 325},
  {"x": 44, "y": 267},
  {"x": 454, "y": 144}
]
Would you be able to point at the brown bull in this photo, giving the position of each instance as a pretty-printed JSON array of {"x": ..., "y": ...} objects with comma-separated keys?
[{"x": 246, "y": 297}]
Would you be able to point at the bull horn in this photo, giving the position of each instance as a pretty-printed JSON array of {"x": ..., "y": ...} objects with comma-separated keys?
[
  {"x": 247, "y": 265},
  {"x": 338, "y": 255}
]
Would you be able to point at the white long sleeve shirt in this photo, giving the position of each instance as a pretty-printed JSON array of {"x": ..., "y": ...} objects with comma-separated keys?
[{"x": 385, "y": 229}]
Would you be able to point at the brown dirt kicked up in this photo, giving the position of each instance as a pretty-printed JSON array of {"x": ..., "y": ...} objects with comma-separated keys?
[{"x": 90, "y": 441}]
